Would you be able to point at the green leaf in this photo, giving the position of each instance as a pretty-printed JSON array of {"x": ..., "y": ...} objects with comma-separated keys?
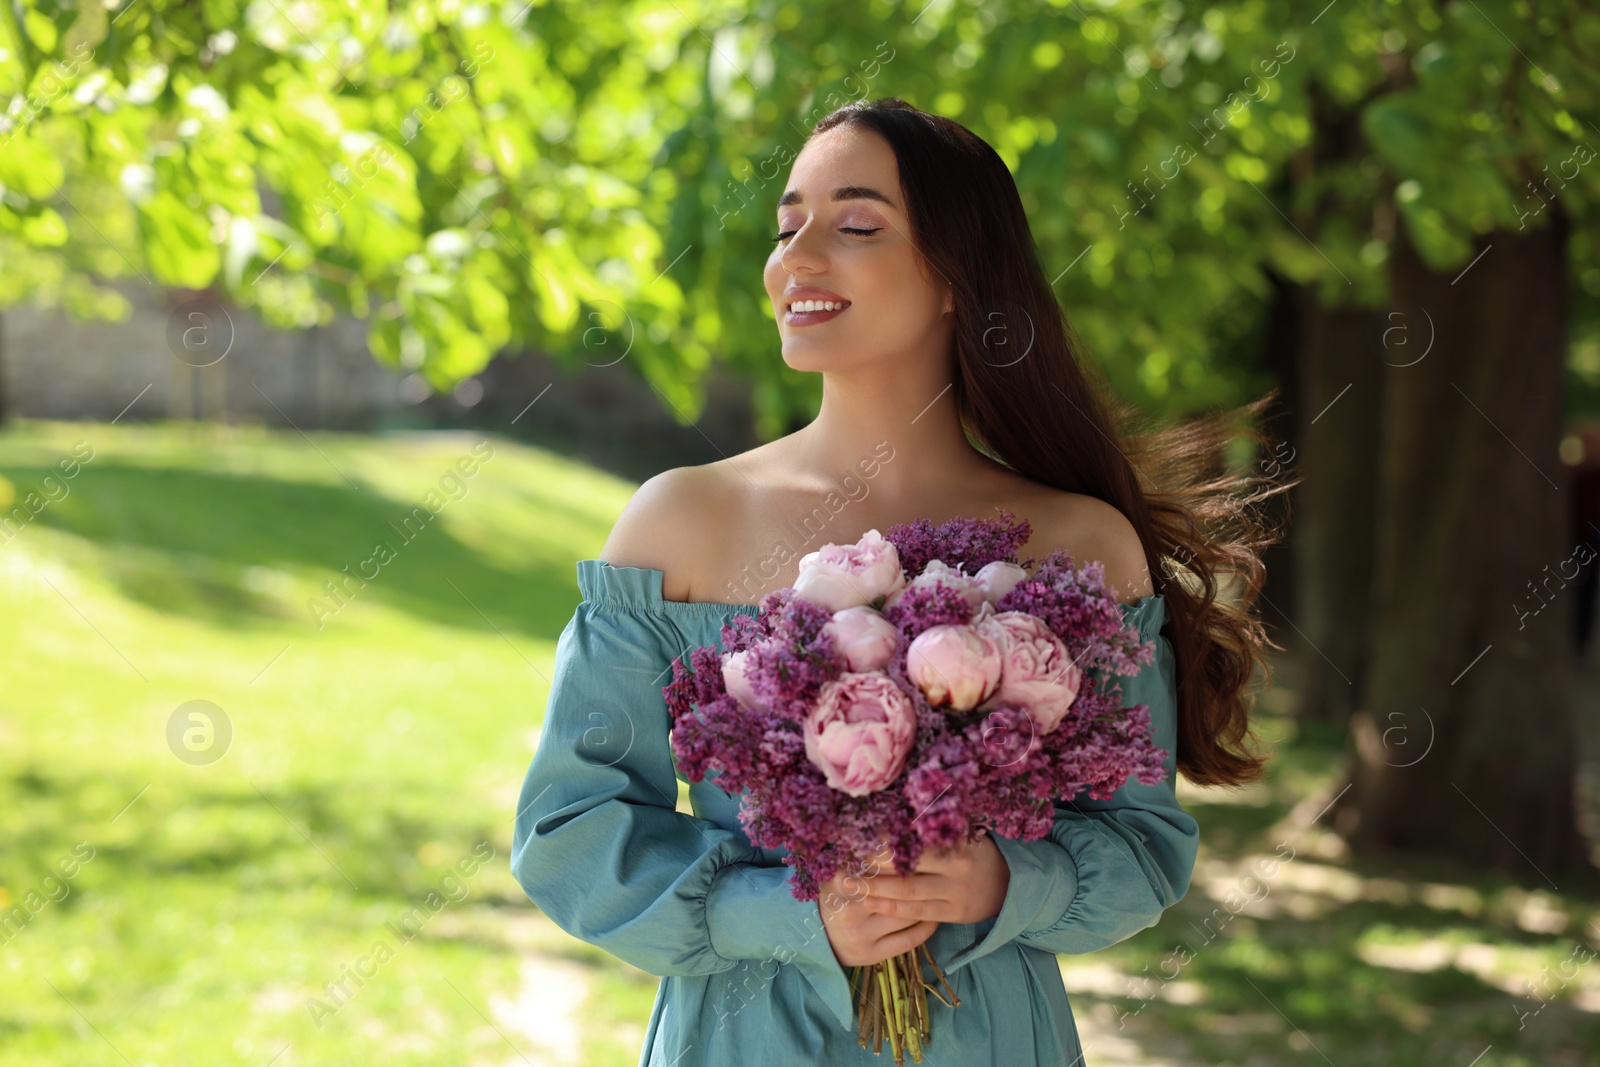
[
  {"x": 556, "y": 306},
  {"x": 29, "y": 167},
  {"x": 47, "y": 229},
  {"x": 1293, "y": 256},
  {"x": 177, "y": 242},
  {"x": 41, "y": 31},
  {"x": 491, "y": 311},
  {"x": 1402, "y": 132}
]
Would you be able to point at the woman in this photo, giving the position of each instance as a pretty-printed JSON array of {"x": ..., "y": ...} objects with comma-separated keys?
[{"x": 905, "y": 274}]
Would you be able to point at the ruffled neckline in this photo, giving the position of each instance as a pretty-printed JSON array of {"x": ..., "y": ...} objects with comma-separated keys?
[{"x": 639, "y": 588}]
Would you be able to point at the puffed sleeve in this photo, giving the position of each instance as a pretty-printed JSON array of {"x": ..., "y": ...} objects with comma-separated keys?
[
  {"x": 1108, "y": 868},
  {"x": 598, "y": 843}
]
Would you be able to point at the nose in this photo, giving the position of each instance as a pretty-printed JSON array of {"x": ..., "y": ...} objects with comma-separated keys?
[{"x": 800, "y": 252}]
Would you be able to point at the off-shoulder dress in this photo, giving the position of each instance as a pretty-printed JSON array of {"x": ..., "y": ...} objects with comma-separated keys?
[{"x": 748, "y": 975}]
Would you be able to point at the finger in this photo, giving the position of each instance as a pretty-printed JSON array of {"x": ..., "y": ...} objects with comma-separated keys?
[
  {"x": 857, "y": 883},
  {"x": 920, "y": 886},
  {"x": 936, "y": 859},
  {"x": 956, "y": 864},
  {"x": 931, "y": 906},
  {"x": 834, "y": 901},
  {"x": 901, "y": 908},
  {"x": 881, "y": 863},
  {"x": 876, "y": 927},
  {"x": 849, "y": 888},
  {"x": 906, "y": 939},
  {"x": 888, "y": 885}
]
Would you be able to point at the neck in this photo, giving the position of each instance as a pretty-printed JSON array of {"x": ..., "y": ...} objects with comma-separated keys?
[{"x": 914, "y": 413}]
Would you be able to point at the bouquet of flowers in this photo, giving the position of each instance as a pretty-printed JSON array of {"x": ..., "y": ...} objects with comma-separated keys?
[{"x": 915, "y": 691}]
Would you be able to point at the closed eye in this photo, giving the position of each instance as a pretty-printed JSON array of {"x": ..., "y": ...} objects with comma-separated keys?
[{"x": 842, "y": 229}]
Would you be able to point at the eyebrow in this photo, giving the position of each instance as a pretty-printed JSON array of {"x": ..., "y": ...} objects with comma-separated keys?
[{"x": 844, "y": 192}]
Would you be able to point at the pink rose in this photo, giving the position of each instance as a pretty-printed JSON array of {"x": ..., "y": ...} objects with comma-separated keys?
[
  {"x": 846, "y": 576},
  {"x": 1037, "y": 672},
  {"x": 954, "y": 666},
  {"x": 860, "y": 732},
  {"x": 999, "y": 578},
  {"x": 937, "y": 572},
  {"x": 737, "y": 682},
  {"x": 863, "y": 637}
]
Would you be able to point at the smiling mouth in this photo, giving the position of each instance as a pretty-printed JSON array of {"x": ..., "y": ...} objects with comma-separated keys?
[{"x": 811, "y": 307}]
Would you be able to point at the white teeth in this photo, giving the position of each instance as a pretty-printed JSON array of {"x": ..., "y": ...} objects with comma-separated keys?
[{"x": 814, "y": 305}]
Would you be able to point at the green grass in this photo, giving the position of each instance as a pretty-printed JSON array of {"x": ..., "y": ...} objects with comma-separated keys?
[
  {"x": 368, "y": 756},
  {"x": 1327, "y": 958},
  {"x": 372, "y": 754}
]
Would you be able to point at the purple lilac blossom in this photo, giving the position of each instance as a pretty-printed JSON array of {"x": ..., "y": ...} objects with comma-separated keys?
[{"x": 966, "y": 771}]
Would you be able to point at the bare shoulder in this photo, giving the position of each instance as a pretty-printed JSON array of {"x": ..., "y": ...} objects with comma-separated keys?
[
  {"x": 671, "y": 524},
  {"x": 1091, "y": 529}
]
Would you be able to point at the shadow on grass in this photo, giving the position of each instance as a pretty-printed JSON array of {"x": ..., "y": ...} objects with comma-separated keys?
[
  {"x": 1285, "y": 992},
  {"x": 273, "y": 837},
  {"x": 1302, "y": 975},
  {"x": 184, "y": 542}
]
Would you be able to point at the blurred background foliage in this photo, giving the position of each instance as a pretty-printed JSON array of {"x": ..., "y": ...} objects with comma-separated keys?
[
  {"x": 1228, "y": 197},
  {"x": 594, "y": 179}
]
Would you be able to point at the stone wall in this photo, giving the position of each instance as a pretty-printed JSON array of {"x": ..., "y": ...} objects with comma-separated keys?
[
  {"x": 182, "y": 355},
  {"x": 186, "y": 355}
]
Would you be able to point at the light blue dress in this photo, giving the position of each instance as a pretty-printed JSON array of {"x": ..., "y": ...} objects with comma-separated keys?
[{"x": 748, "y": 974}]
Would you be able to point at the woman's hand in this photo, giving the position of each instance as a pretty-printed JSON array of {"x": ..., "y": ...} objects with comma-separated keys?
[
  {"x": 962, "y": 885},
  {"x": 859, "y": 935}
]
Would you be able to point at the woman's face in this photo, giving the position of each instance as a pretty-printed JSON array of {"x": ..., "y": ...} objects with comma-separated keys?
[{"x": 856, "y": 251}]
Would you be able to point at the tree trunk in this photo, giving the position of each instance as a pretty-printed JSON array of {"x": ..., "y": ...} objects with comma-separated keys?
[
  {"x": 1342, "y": 375},
  {"x": 1281, "y": 344},
  {"x": 1339, "y": 359},
  {"x": 1463, "y": 738}
]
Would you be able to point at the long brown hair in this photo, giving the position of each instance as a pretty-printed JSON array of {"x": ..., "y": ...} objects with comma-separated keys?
[{"x": 1055, "y": 420}]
